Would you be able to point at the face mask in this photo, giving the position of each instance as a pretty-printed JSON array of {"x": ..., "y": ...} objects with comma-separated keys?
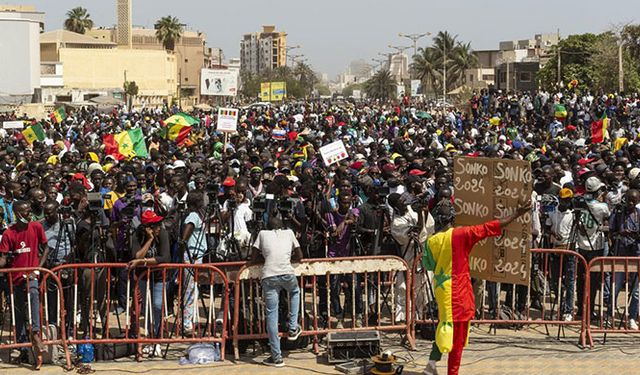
[{"x": 23, "y": 220}]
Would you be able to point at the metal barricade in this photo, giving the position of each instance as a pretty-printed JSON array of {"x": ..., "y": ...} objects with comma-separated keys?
[
  {"x": 377, "y": 290},
  {"x": 24, "y": 308},
  {"x": 554, "y": 290},
  {"x": 612, "y": 287},
  {"x": 163, "y": 304}
]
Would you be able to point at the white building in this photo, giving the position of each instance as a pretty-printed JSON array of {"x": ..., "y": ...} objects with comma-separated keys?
[
  {"x": 399, "y": 66},
  {"x": 20, "y": 28}
]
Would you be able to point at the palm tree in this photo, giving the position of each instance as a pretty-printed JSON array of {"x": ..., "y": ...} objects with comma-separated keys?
[
  {"x": 463, "y": 58},
  {"x": 380, "y": 86},
  {"x": 78, "y": 20},
  {"x": 426, "y": 67},
  {"x": 168, "y": 31}
]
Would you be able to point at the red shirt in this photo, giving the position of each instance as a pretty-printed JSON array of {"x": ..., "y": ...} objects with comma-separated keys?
[{"x": 24, "y": 244}]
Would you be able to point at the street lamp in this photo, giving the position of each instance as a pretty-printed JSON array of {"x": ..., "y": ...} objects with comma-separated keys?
[
  {"x": 286, "y": 51},
  {"x": 414, "y": 38},
  {"x": 294, "y": 58}
]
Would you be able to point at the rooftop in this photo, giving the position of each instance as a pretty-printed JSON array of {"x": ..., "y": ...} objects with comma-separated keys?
[{"x": 65, "y": 36}]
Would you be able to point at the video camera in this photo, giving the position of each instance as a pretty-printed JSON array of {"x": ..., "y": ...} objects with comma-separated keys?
[{"x": 548, "y": 203}]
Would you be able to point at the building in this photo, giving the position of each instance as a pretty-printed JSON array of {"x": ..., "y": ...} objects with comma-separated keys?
[
  {"x": 519, "y": 61},
  {"x": 399, "y": 66},
  {"x": 484, "y": 75},
  {"x": 190, "y": 51},
  {"x": 263, "y": 51},
  {"x": 78, "y": 67},
  {"x": 20, "y": 28},
  {"x": 124, "y": 36}
]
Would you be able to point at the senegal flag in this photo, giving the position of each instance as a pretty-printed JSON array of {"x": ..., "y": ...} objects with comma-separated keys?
[
  {"x": 447, "y": 255},
  {"x": 34, "y": 133},
  {"x": 178, "y": 127},
  {"x": 58, "y": 115},
  {"x": 125, "y": 145},
  {"x": 599, "y": 129},
  {"x": 560, "y": 112}
]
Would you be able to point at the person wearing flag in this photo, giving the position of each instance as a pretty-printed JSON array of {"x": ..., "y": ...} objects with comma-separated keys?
[{"x": 447, "y": 254}]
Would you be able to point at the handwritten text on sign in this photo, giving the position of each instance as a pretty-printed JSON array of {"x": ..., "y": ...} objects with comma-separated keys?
[{"x": 487, "y": 189}]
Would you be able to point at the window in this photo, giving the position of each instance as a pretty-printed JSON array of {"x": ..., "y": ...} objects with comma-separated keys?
[
  {"x": 186, "y": 79},
  {"x": 503, "y": 77},
  {"x": 488, "y": 77},
  {"x": 525, "y": 76},
  {"x": 186, "y": 60},
  {"x": 470, "y": 77}
]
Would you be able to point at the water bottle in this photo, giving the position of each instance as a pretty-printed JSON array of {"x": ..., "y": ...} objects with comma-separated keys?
[{"x": 217, "y": 353}]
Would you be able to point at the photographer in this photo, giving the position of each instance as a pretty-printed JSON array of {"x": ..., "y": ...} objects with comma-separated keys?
[
  {"x": 59, "y": 231},
  {"x": 150, "y": 247},
  {"x": 19, "y": 247},
  {"x": 591, "y": 240},
  {"x": 193, "y": 246},
  {"x": 624, "y": 227},
  {"x": 561, "y": 226},
  {"x": 342, "y": 226},
  {"x": 410, "y": 230},
  {"x": 236, "y": 211}
]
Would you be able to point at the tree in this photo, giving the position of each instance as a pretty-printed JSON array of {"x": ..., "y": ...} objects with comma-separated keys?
[
  {"x": 576, "y": 53},
  {"x": 168, "y": 31},
  {"x": 348, "y": 91},
  {"x": 78, "y": 20},
  {"x": 425, "y": 65},
  {"x": 381, "y": 86},
  {"x": 130, "y": 90}
]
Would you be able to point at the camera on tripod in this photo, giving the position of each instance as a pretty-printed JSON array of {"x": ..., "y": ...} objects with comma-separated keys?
[
  {"x": 548, "y": 203},
  {"x": 579, "y": 203},
  {"x": 95, "y": 202}
]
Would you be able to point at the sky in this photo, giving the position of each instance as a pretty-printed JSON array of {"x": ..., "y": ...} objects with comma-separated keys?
[{"x": 332, "y": 33}]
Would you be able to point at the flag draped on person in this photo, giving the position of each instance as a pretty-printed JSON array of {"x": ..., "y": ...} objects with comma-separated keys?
[
  {"x": 560, "y": 112},
  {"x": 599, "y": 129},
  {"x": 126, "y": 144},
  {"x": 178, "y": 127},
  {"x": 58, "y": 115},
  {"x": 34, "y": 133}
]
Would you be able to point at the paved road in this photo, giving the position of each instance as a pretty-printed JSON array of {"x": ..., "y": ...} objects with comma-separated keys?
[{"x": 510, "y": 352}]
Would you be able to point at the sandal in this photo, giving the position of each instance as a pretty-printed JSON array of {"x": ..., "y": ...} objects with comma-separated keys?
[{"x": 38, "y": 349}]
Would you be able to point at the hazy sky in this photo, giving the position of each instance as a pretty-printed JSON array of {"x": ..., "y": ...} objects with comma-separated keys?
[{"x": 334, "y": 32}]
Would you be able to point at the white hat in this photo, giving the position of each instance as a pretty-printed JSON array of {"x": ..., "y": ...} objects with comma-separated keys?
[
  {"x": 633, "y": 173},
  {"x": 443, "y": 161},
  {"x": 179, "y": 164},
  {"x": 593, "y": 184},
  {"x": 93, "y": 167}
]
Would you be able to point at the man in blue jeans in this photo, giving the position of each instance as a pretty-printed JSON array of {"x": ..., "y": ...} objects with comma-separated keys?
[{"x": 277, "y": 247}]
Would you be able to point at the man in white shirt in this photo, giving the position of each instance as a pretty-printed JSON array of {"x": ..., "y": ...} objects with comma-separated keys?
[
  {"x": 561, "y": 225},
  {"x": 277, "y": 247}
]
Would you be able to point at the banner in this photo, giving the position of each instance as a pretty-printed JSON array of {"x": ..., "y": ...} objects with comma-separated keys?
[
  {"x": 222, "y": 82},
  {"x": 333, "y": 152},
  {"x": 278, "y": 91},
  {"x": 13, "y": 125},
  {"x": 227, "y": 120},
  {"x": 487, "y": 189},
  {"x": 416, "y": 87}
]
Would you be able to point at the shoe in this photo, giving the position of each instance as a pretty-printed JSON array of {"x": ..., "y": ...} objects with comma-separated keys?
[
  {"x": 567, "y": 317},
  {"x": 359, "y": 321},
  {"x": 430, "y": 369},
  {"x": 633, "y": 324},
  {"x": 340, "y": 324},
  {"x": 270, "y": 362},
  {"x": 119, "y": 310},
  {"x": 293, "y": 335}
]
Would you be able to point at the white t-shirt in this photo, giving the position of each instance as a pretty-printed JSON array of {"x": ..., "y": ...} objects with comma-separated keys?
[
  {"x": 197, "y": 242},
  {"x": 241, "y": 215},
  {"x": 561, "y": 223},
  {"x": 276, "y": 246},
  {"x": 592, "y": 221}
]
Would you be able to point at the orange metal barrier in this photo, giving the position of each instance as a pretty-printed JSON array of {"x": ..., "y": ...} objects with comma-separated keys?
[
  {"x": 20, "y": 303},
  {"x": 375, "y": 279},
  {"x": 612, "y": 283},
  {"x": 151, "y": 295},
  {"x": 515, "y": 307}
]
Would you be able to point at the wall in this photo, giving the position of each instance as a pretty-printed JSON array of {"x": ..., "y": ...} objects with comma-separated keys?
[
  {"x": 20, "y": 64},
  {"x": 154, "y": 72}
]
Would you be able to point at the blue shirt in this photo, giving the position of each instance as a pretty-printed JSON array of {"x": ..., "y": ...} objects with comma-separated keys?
[{"x": 9, "y": 217}]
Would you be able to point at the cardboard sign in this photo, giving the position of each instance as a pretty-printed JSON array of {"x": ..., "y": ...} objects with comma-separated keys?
[
  {"x": 13, "y": 125},
  {"x": 333, "y": 152},
  {"x": 227, "y": 120},
  {"x": 487, "y": 189}
]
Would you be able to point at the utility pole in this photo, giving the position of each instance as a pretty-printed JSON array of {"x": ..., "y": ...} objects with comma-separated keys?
[
  {"x": 559, "y": 62},
  {"x": 287, "y": 49},
  {"x": 444, "y": 72}
]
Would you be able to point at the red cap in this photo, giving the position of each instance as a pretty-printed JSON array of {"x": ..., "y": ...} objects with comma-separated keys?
[
  {"x": 357, "y": 165},
  {"x": 571, "y": 128},
  {"x": 150, "y": 217},
  {"x": 416, "y": 172},
  {"x": 80, "y": 177},
  {"x": 229, "y": 182},
  {"x": 584, "y": 161}
]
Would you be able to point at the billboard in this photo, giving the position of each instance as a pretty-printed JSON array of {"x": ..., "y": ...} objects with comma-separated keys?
[
  {"x": 416, "y": 87},
  {"x": 273, "y": 91},
  {"x": 222, "y": 82}
]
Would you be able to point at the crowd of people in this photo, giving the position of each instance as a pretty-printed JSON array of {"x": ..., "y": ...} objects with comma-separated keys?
[{"x": 69, "y": 199}]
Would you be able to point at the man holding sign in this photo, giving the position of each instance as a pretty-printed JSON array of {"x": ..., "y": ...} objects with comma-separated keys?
[{"x": 447, "y": 254}]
